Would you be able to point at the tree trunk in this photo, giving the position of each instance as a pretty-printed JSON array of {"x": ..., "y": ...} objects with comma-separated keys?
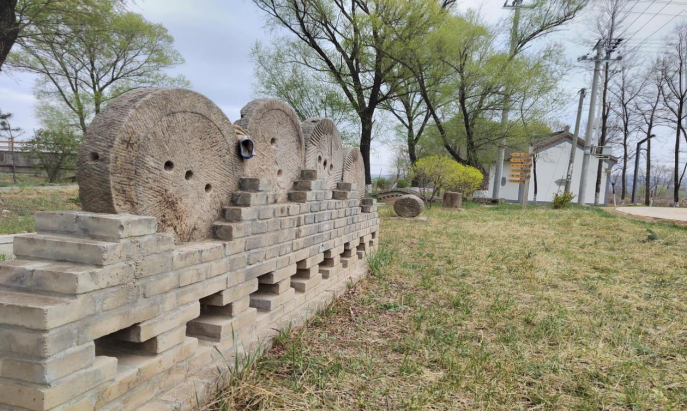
[
  {"x": 366, "y": 143},
  {"x": 452, "y": 200},
  {"x": 623, "y": 172},
  {"x": 9, "y": 28}
]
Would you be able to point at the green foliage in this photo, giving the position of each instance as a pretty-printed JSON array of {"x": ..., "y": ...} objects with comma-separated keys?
[
  {"x": 55, "y": 149},
  {"x": 562, "y": 200},
  {"x": 309, "y": 93},
  {"x": 94, "y": 52},
  {"x": 651, "y": 236},
  {"x": 402, "y": 183},
  {"x": 381, "y": 183},
  {"x": 442, "y": 173}
]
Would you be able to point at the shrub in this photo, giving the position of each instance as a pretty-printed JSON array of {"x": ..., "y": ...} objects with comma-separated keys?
[
  {"x": 442, "y": 173},
  {"x": 382, "y": 183},
  {"x": 562, "y": 200},
  {"x": 402, "y": 184}
]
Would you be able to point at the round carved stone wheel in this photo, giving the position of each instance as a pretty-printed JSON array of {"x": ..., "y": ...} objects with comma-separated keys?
[
  {"x": 279, "y": 148},
  {"x": 323, "y": 151},
  {"x": 167, "y": 153},
  {"x": 354, "y": 169},
  {"x": 409, "y": 206}
]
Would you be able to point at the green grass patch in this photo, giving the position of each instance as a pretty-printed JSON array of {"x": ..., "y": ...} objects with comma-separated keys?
[{"x": 18, "y": 206}]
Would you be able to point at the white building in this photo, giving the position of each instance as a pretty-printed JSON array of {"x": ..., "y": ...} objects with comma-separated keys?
[{"x": 551, "y": 158}]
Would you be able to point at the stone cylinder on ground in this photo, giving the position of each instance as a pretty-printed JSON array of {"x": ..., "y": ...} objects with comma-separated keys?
[
  {"x": 452, "y": 200},
  {"x": 409, "y": 206}
]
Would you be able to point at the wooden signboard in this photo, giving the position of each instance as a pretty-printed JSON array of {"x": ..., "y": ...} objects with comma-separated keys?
[{"x": 521, "y": 163}]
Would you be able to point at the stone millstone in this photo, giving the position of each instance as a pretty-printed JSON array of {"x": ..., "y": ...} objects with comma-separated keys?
[
  {"x": 354, "y": 169},
  {"x": 323, "y": 151},
  {"x": 167, "y": 153},
  {"x": 279, "y": 148},
  {"x": 409, "y": 206}
]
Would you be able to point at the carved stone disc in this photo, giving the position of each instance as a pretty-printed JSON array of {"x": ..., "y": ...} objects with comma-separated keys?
[
  {"x": 167, "y": 153},
  {"x": 323, "y": 151},
  {"x": 354, "y": 169},
  {"x": 279, "y": 148}
]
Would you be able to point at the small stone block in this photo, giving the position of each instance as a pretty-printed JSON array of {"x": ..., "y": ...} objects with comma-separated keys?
[
  {"x": 305, "y": 284},
  {"x": 268, "y": 301},
  {"x": 311, "y": 261},
  {"x": 232, "y": 294},
  {"x": 251, "y": 184},
  {"x": 232, "y": 309},
  {"x": 278, "y": 275},
  {"x": 307, "y": 174},
  {"x": 42, "y": 312},
  {"x": 217, "y": 327}
]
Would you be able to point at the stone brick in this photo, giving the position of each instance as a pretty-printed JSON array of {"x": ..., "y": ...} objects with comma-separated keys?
[
  {"x": 231, "y": 231},
  {"x": 251, "y": 184},
  {"x": 234, "y": 247},
  {"x": 70, "y": 278},
  {"x": 301, "y": 197},
  {"x": 153, "y": 264},
  {"x": 260, "y": 269},
  {"x": 311, "y": 261},
  {"x": 192, "y": 275},
  {"x": 42, "y": 398},
  {"x": 18, "y": 273},
  {"x": 276, "y": 288},
  {"x": 308, "y": 273},
  {"x": 249, "y": 199},
  {"x": 160, "y": 324},
  {"x": 216, "y": 327},
  {"x": 278, "y": 275},
  {"x": 158, "y": 284},
  {"x": 95, "y": 225},
  {"x": 349, "y": 261},
  {"x": 302, "y": 284},
  {"x": 68, "y": 249},
  {"x": 48, "y": 370},
  {"x": 334, "y": 252},
  {"x": 42, "y": 312},
  {"x": 331, "y": 262},
  {"x": 116, "y": 320},
  {"x": 232, "y": 309},
  {"x": 232, "y": 294},
  {"x": 344, "y": 186},
  {"x": 340, "y": 194},
  {"x": 328, "y": 272},
  {"x": 308, "y": 174},
  {"x": 268, "y": 301}
]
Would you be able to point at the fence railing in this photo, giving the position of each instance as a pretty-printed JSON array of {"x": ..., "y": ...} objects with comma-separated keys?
[{"x": 11, "y": 145}]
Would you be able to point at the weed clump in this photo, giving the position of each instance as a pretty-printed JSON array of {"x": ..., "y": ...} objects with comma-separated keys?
[{"x": 562, "y": 200}]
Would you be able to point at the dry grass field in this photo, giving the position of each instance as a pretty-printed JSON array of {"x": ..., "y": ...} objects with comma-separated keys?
[
  {"x": 17, "y": 206},
  {"x": 493, "y": 308}
]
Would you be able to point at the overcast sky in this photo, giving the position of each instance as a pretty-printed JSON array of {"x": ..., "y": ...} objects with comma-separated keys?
[{"x": 215, "y": 37}]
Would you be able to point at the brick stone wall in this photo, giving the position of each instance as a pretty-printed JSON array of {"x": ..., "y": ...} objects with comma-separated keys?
[{"x": 100, "y": 311}]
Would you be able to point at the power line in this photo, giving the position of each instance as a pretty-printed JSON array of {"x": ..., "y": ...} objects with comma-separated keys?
[
  {"x": 648, "y": 21},
  {"x": 659, "y": 29}
]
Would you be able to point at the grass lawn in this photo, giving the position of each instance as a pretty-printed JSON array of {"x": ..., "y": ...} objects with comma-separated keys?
[
  {"x": 17, "y": 206},
  {"x": 28, "y": 180},
  {"x": 493, "y": 308}
]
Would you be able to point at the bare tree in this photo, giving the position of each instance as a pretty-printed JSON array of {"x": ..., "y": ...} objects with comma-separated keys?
[
  {"x": 674, "y": 94},
  {"x": 626, "y": 90},
  {"x": 648, "y": 106}
]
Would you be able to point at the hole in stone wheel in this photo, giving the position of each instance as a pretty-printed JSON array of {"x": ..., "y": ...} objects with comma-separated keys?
[
  {"x": 169, "y": 165},
  {"x": 319, "y": 159},
  {"x": 208, "y": 188},
  {"x": 95, "y": 156},
  {"x": 331, "y": 167},
  {"x": 273, "y": 142},
  {"x": 279, "y": 173},
  {"x": 325, "y": 164},
  {"x": 188, "y": 175}
]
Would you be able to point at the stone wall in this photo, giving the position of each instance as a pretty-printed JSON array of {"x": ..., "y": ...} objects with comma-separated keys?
[{"x": 107, "y": 311}]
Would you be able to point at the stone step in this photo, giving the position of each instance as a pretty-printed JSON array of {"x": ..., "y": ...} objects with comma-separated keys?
[
  {"x": 70, "y": 249},
  {"x": 101, "y": 226},
  {"x": 40, "y": 398},
  {"x": 42, "y": 312},
  {"x": 305, "y": 284},
  {"x": 278, "y": 275},
  {"x": 148, "y": 329},
  {"x": 268, "y": 301},
  {"x": 215, "y": 327},
  {"x": 231, "y": 294},
  {"x": 232, "y": 309},
  {"x": 308, "y": 273},
  {"x": 74, "y": 279},
  {"x": 230, "y": 231},
  {"x": 329, "y": 272}
]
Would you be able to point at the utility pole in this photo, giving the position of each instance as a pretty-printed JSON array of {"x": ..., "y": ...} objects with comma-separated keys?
[
  {"x": 634, "y": 178},
  {"x": 498, "y": 174},
  {"x": 573, "y": 149},
  {"x": 590, "y": 123}
]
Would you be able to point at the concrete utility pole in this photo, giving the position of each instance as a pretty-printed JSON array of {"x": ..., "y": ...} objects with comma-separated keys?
[
  {"x": 573, "y": 149},
  {"x": 498, "y": 174},
  {"x": 590, "y": 123}
]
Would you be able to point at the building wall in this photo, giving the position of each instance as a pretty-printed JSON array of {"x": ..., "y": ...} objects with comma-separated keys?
[{"x": 552, "y": 164}]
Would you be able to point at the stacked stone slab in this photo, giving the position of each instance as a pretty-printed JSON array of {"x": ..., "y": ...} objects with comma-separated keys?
[
  {"x": 115, "y": 311},
  {"x": 99, "y": 311}
]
